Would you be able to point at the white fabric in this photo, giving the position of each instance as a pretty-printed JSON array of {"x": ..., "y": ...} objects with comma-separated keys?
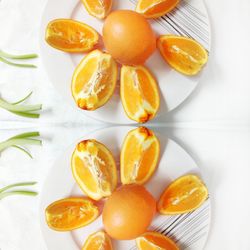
[{"x": 212, "y": 125}]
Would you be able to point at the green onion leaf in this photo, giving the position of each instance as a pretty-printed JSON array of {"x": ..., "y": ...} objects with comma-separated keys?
[
  {"x": 20, "y": 184},
  {"x": 23, "y": 99},
  {"x": 27, "y": 115},
  {"x": 17, "y": 64},
  {"x": 25, "y": 135},
  {"x": 18, "y": 192},
  {"x": 14, "y": 142},
  {"x": 24, "y": 150},
  {"x": 19, "y": 141},
  {"x": 11, "y": 56},
  {"x": 21, "y": 110}
]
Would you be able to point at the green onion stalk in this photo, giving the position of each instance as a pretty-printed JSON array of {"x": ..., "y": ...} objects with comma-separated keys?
[
  {"x": 8, "y": 190},
  {"x": 6, "y": 58},
  {"x": 20, "y": 141},
  {"x": 17, "y": 108}
]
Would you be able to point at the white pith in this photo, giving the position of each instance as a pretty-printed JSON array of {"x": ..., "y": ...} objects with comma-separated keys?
[{"x": 93, "y": 162}]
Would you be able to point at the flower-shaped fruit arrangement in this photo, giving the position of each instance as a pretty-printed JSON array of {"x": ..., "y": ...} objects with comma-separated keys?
[
  {"x": 129, "y": 41},
  {"x": 128, "y": 209}
]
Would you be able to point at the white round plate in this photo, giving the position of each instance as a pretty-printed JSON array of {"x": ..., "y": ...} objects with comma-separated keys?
[
  {"x": 188, "y": 19},
  {"x": 189, "y": 230}
]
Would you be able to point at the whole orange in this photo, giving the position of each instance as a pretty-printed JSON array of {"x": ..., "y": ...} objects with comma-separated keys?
[
  {"x": 128, "y": 212},
  {"x": 128, "y": 37}
]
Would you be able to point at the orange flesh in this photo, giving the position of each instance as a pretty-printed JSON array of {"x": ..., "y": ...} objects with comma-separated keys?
[
  {"x": 98, "y": 8},
  {"x": 155, "y": 241},
  {"x": 183, "y": 54},
  {"x": 71, "y": 213},
  {"x": 83, "y": 171},
  {"x": 85, "y": 75},
  {"x": 155, "y": 8},
  {"x": 146, "y": 91},
  {"x": 71, "y": 36},
  {"x": 139, "y": 156},
  {"x": 98, "y": 241},
  {"x": 94, "y": 169},
  {"x": 94, "y": 80},
  {"x": 139, "y": 93},
  {"x": 183, "y": 195}
]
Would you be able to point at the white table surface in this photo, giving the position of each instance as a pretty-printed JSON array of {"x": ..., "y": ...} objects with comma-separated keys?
[{"x": 212, "y": 125}]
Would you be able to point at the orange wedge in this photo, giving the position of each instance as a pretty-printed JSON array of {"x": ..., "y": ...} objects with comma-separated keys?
[
  {"x": 94, "y": 80},
  {"x": 94, "y": 169},
  {"x": 139, "y": 156},
  {"x": 71, "y": 36},
  {"x": 139, "y": 93},
  {"x": 155, "y": 8},
  {"x": 183, "y": 54},
  {"x": 98, "y": 241},
  {"x": 98, "y": 8},
  {"x": 155, "y": 241},
  {"x": 71, "y": 213},
  {"x": 185, "y": 194}
]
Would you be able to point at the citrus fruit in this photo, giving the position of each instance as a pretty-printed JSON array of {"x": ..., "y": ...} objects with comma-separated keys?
[
  {"x": 128, "y": 37},
  {"x": 139, "y": 93},
  {"x": 71, "y": 36},
  {"x": 70, "y": 213},
  {"x": 128, "y": 212},
  {"x": 155, "y": 8},
  {"x": 139, "y": 156},
  {"x": 94, "y": 169},
  {"x": 155, "y": 241},
  {"x": 98, "y": 241},
  {"x": 183, "y": 54},
  {"x": 94, "y": 80},
  {"x": 185, "y": 194},
  {"x": 98, "y": 8}
]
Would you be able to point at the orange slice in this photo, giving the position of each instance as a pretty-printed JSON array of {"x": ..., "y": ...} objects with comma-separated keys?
[
  {"x": 183, "y": 54},
  {"x": 71, "y": 36},
  {"x": 155, "y": 241},
  {"x": 94, "y": 80},
  {"x": 94, "y": 169},
  {"x": 71, "y": 213},
  {"x": 98, "y": 241},
  {"x": 139, "y": 156},
  {"x": 139, "y": 93},
  {"x": 155, "y": 8},
  {"x": 185, "y": 194},
  {"x": 98, "y": 8}
]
